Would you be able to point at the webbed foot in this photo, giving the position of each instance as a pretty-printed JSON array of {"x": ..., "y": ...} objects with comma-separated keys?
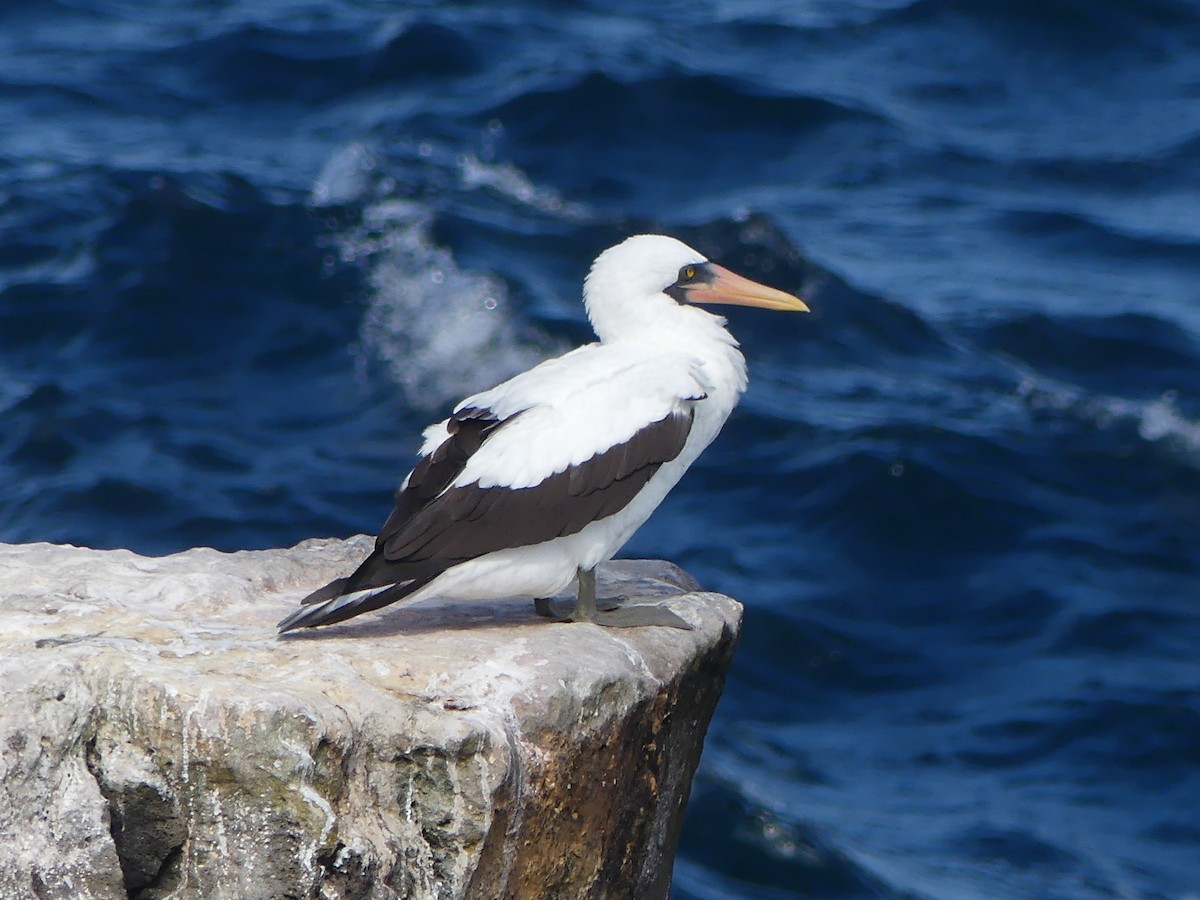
[
  {"x": 544, "y": 606},
  {"x": 637, "y": 616},
  {"x": 607, "y": 611}
]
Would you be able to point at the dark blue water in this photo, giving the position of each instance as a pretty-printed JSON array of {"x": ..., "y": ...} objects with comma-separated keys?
[{"x": 248, "y": 249}]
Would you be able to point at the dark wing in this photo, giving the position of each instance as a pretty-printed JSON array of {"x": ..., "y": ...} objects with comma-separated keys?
[
  {"x": 339, "y": 606},
  {"x": 468, "y": 521},
  {"x": 467, "y": 428}
]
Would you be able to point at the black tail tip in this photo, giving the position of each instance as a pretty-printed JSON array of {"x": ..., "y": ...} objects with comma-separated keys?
[{"x": 297, "y": 620}]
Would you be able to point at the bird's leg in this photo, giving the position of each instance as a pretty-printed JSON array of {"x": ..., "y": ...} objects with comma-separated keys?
[
  {"x": 607, "y": 611},
  {"x": 585, "y": 599},
  {"x": 610, "y": 613},
  {"x": 585, "y": 602},
  {"x": 544, "y": 606}
]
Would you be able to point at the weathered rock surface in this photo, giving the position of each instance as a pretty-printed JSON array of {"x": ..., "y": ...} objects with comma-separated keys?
[{"x": 157, "y": 739}]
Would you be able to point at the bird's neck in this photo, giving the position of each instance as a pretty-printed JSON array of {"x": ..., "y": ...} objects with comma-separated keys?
[{"x": 697, "y": 333}]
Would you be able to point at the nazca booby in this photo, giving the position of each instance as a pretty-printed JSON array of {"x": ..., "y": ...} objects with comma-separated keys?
[{"x": 530, "y": 485}]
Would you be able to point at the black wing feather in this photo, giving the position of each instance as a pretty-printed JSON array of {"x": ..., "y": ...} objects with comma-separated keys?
[
  {"x": 468, "y": 521},
  {"x": 338, "y": 609},
  {"x": 468, "y": 429}
]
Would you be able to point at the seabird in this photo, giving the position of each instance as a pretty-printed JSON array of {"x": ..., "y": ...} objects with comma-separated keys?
[{"x": 529, "y": 486}]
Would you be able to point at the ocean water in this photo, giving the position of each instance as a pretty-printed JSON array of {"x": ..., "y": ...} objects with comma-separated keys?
[{"x": 247, "y": 250}]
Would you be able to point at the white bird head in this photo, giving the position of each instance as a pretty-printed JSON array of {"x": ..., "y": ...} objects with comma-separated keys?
[{"x": 648, "y": 282}]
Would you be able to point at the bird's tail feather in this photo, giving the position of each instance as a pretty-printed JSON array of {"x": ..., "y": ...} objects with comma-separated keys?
[
  {"x": 328, "y": 610},
  {"x": 331, "y": 590}
]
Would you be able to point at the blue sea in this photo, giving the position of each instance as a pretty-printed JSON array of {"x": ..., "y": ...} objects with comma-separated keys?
[{"x": 248, "y": 250}]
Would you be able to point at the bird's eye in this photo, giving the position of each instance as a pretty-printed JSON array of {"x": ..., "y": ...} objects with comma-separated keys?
[{"x": 687, "y": 273}]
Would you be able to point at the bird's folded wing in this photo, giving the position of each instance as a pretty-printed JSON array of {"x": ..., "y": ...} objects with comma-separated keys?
[
  {"x": 534, "y": 464},
  {"x": 570, "y": 409}
]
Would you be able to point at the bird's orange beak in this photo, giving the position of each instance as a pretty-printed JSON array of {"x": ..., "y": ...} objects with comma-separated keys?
[{"x": 728, "y": 287}]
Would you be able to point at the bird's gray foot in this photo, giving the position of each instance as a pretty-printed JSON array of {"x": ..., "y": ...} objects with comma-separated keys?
[
  {"x": 544, "y": 606},
  {"x": 607, "y": 611},
  {"x": 637, "y": 616}
]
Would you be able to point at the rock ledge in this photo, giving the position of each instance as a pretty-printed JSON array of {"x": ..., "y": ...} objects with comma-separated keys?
[{"x": 157, "y": 739}]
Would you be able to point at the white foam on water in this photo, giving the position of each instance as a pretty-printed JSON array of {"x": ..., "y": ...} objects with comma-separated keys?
[
  {"x": 1157, "y": 420},
  {"x": 509, "y": 181},
  {"x": 1161, "y": 419},
  {"x": 344, "y": 178},
  {"x": 442, "y": 332}
]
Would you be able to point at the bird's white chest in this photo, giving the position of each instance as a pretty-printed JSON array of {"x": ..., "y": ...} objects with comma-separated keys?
[
  {"x": 725, "y": 380},
  {"x": 722, "y": 371}
]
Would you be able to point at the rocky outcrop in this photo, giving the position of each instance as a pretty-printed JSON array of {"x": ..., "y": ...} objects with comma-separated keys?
[{"x": 157, "y": 739}]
